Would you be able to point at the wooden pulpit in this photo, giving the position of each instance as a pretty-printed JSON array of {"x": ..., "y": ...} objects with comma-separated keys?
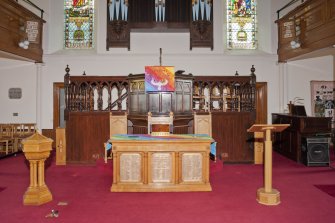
[{"x": 267, "y": 195}]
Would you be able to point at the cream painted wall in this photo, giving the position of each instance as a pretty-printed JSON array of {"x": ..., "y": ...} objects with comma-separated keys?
[
  {"x": 16, "y": 74},
  {"x": 145, "y": 51},
  {"x": 300, "y": 73}
]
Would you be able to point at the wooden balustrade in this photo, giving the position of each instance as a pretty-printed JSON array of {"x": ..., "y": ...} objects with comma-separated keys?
[
  {"x": 307, "y": 30},
  {"x": 18, "y": 24},
  {"x": 94, "y": 93},
  {"x": 224, "y": 93}
]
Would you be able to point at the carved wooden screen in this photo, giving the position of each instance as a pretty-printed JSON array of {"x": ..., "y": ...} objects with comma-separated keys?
[
  {"x": 94, "y": 93},
  {"x": 224, "y": 93}
]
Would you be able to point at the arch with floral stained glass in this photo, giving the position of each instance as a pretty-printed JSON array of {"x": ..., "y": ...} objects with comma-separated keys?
[
  {"x": 241, "y": 24},
  {"x": 78, "y": 24}
]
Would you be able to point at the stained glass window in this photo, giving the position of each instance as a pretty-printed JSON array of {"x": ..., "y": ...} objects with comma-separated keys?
[
  {"x": 79, "y": 24},
  {"x": 241, "y": 24}
]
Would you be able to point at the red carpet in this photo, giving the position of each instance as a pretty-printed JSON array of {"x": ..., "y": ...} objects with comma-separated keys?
[
  {"x": 86, "y": 191},
  {"x": 329, "y": 189}
]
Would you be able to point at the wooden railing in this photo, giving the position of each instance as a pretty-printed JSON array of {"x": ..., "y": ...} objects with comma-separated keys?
[
  {"x": 95, "y": 93},
  {"x": 308, "y": 28},
  {"x": 224, "y": 93}
]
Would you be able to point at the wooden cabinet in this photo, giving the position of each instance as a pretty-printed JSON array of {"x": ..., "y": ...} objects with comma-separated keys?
[{"x": 288, "y": 142}]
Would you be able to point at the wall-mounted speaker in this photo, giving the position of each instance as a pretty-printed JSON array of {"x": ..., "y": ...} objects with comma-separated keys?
[{"x": 315, "y": 151}]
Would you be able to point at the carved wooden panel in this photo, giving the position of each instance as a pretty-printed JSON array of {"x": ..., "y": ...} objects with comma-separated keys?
[
  {"x": 203, "y": 124},
  {"x": 131, "y": 167},
  {"x": 118, "y": 34},
  {"x": 201, "y": 33},
  {"x": 118, "y": 124},
  {"x": 161, "y": 170},
  {"x": 191, "y": 167}
]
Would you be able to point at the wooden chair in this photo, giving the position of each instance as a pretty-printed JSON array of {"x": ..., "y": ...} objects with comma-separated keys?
[
  {"x": 6, "y": 139},
  {"x": 22, "y": 131},
  {"x": 118, "y": 124},
  {"x": 160, "y": 125}
]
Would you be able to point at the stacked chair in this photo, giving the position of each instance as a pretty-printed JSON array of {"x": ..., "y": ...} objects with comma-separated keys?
[{"x": 11, "y": 136}]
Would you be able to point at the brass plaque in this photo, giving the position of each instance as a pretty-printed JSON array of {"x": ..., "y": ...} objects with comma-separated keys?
[
  {"x": 161, "y": 165},
  {"x": 192, "y": 167},
  {"x": 130, "y": 167}
]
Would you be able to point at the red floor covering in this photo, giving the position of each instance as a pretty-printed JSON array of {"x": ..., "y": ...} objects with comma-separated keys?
[{"x": 86, "y": 191}]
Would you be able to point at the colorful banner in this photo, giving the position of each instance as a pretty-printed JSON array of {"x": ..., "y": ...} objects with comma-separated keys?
[{"x": 159, "y": 78}]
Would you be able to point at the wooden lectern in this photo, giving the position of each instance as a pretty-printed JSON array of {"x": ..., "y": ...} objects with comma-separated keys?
[{"x": 267, "y": 195}]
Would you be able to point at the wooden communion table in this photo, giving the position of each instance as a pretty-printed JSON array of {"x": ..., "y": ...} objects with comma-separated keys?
[{"x": 145, "y": 163}]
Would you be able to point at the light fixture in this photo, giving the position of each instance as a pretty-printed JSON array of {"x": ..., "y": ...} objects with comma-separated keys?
[
  {"x": 295, "y": 44},
  {"x": 24, "y": 44}
]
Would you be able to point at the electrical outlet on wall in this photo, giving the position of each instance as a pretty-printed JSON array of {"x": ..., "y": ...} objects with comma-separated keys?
[
  {"x": 15, "y": 114},
  {"x": 224, "y": 155}
]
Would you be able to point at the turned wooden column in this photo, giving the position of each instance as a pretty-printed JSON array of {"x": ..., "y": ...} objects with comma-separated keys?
[
  {"x": 268, "y": 195},
  {"x": 37, "y": 149}
]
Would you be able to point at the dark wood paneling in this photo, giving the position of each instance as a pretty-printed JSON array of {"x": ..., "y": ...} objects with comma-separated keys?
[
  {"x": 86, "y": 133},
  {"x": 288, "y": 142},
  {"x": 13, "y": 16},
  {"x": 229, "y": 130},
  {"x": 312, "y": 23}
]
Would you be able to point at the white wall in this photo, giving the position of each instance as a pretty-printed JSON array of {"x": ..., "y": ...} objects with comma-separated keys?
[
  {"x": 145, "y": 51},
  {"x": 300, "y": 73},
  {"x": 16, "y": 74}
]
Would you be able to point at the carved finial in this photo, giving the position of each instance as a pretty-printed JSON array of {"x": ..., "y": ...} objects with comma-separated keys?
[
  {"x": 236, "y": 74},
  {"x": 84, "y": 74},
  {"x": 160, "y": 56},
  {"x": 252, "y": 70},
  {"x": 67, "y": 69}
]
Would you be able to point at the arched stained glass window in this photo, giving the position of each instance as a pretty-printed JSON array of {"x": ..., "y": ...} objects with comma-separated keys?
[
  {"x": 79, "y": 21},
  {"x": 241, "y": 24}
]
